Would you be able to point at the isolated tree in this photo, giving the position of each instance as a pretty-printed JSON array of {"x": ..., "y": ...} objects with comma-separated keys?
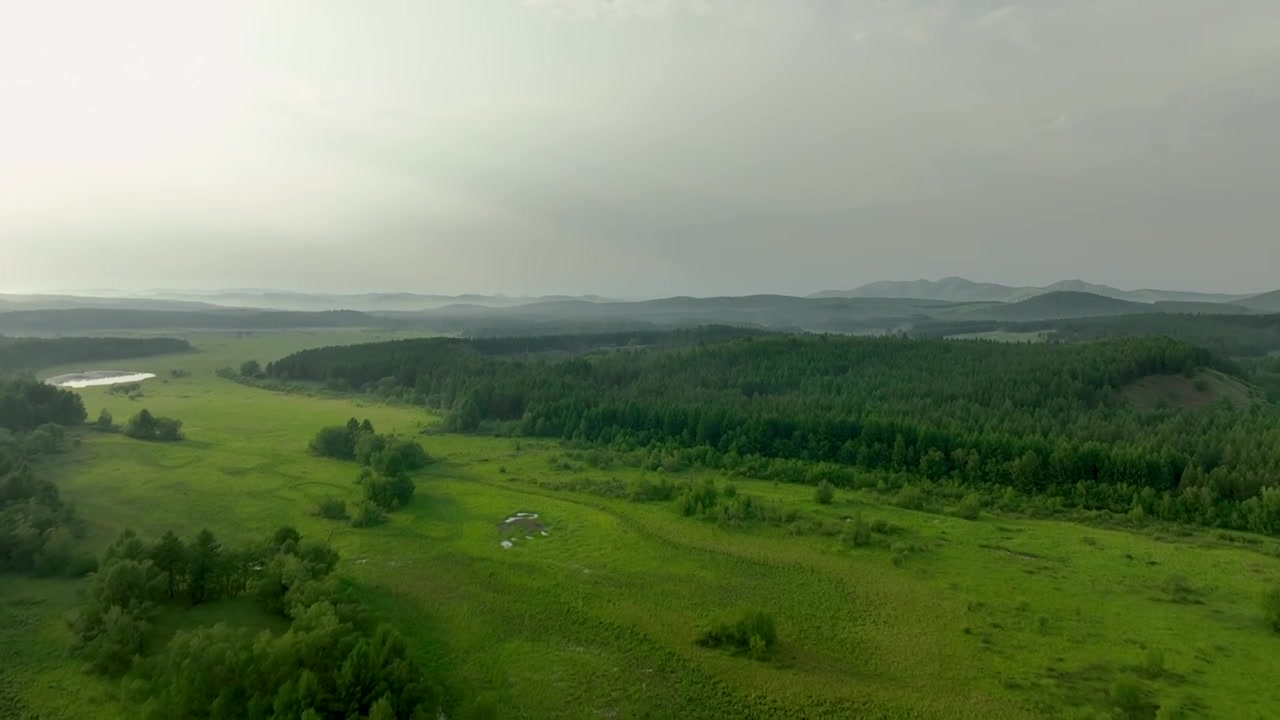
[
  {"x": 104, "y": 423},
  {"x": 250, "y": 369},
  {"x": 141, "y": 426},
  {"x": 170, "y": 557}
]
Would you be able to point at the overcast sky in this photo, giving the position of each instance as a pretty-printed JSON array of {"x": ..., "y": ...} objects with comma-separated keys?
[{"x": 638, "y": 147}]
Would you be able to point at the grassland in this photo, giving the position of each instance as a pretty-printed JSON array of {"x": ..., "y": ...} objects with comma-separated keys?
[{"x": 994, "y": 618}]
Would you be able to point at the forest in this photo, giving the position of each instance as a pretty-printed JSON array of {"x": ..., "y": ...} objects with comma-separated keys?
[
  {"x": 335, "y": 660},
  {"x": 27, "y": 353},
  {"x": 1041, "y": 419},
  {"x": 37, "y": 527}
]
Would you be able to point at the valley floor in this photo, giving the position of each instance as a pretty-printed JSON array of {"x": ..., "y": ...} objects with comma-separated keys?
[{"x": 993, "y": 618}]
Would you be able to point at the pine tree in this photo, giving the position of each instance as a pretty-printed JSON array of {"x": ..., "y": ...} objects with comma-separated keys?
[
  {"x": 206, "y": 561},
  {"x": 170, "y": 557}
]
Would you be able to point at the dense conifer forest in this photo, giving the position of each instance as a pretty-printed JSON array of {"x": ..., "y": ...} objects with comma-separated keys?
[
  {"x": 28, "y": 353},
  {"x": 1038, "y": 418}
]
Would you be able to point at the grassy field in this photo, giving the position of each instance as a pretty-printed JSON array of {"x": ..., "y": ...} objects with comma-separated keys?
[{"x": 994, "y": 618}]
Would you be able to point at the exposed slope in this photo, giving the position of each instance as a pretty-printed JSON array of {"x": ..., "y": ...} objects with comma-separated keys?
[{"x": 1203, "y": 389}]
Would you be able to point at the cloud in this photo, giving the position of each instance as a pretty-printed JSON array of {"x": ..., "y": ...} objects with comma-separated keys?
[
  {"x": 650, "y": 146},
  {"x": 625, "y": 9}
]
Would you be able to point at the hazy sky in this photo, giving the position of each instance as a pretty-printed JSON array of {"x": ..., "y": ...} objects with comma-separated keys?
[{"x": 638, "y": 147}]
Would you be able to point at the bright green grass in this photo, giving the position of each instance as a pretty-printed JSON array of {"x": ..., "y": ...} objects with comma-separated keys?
[{"x": 999, "y": 618}]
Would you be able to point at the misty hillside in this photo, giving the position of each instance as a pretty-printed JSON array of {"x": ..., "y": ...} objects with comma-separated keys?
[
  {"x": 1267, "y": 302},
  {"x": 1067, "y": 304},
  {"x": 363, "y": 302},
  {"x": 68, "y": 302},
  {"x": 1202, "y": 308},
  {"x": 833, "y": 314},
  {"x": 107, "y": 319},
  {"x": 952, "y": 289}
]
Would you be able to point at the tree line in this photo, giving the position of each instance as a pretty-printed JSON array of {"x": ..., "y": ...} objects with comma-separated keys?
[
  {"x": 1036, "y": 418},
  {"x": 29, "y": 353},
  {"x": 37, "y": 528},
  {"x": 27, "y": 403}
]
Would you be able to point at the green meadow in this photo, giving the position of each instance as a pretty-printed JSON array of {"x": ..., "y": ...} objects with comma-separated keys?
[{"x": 999, "y": 617}]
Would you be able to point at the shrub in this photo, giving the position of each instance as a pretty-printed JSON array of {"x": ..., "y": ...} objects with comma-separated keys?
[
  {"x": 145, "y": 426},
  {"x": 105, "y": 423},
  {"x": 388, "y": 493},
  {"x": 857, "y": 532},
  {"x": 337, "y": 441},
  {"x": 1180, "y": 590},
  {"x": 1271, "y": 608},
  {"x": 399, "y": 456},
  {"x": 754, "y": 634},
  {"x": 646, "y": 490},
  {"x": 910, "y": 497},
  {"x": 970, "y": 507},
  {"x": 824, "y": 493},
  {"x": 332, "y": 508},
  {"x": 368, "y": 514},
  {"x": 1129, "y": 697},
  {"x": 1153, "y": 663}
]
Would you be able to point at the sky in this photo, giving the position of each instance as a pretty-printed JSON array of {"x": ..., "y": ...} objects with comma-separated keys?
[{"x": 637, "y": 148}]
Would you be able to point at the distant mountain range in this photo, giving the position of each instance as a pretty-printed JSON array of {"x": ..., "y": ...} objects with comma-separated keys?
[
  {"x": 365, "y": 302},
  {"x": 958, "y": 289},
  {"x": 878, "y": 307}
]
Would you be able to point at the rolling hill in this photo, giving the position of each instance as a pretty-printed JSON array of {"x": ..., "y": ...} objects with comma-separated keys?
[
  {"x": 1067, "y": 304},
  {"x": 1266, "y": 302},
  {"x": 363, "y": 302},
  {"x": 957, "y": 289},
  {"x": 951, "y": 289},
  {"x": 100, "y": 320}
]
